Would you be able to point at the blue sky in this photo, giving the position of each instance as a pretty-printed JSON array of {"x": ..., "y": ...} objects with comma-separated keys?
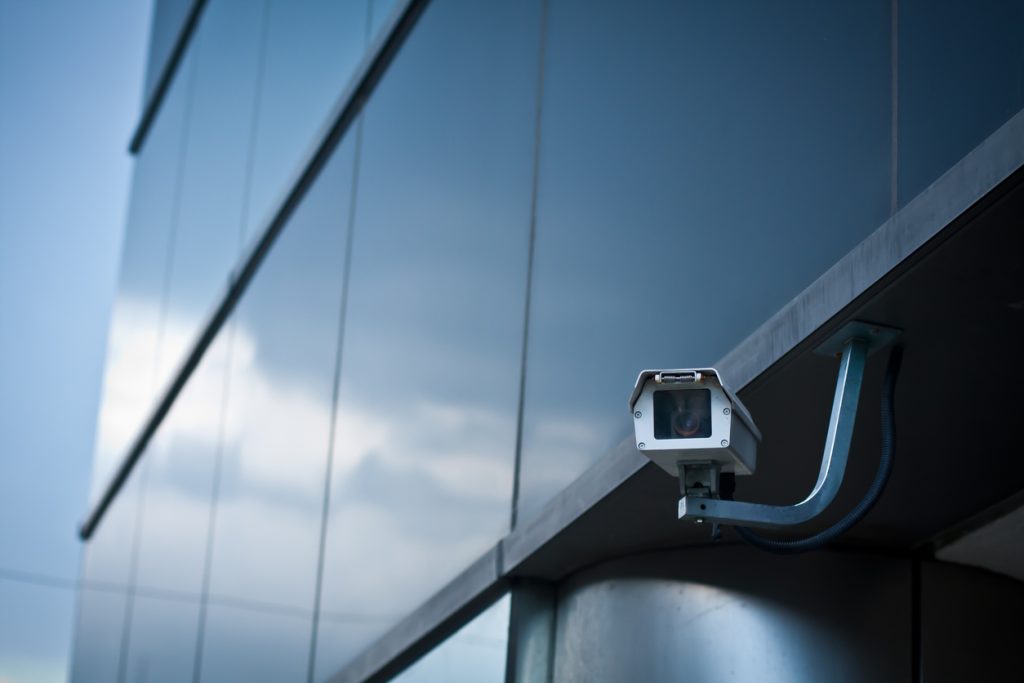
[{"x": 70, "y": 87}]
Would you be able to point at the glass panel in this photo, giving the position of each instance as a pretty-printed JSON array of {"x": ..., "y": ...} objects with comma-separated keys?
[
  {"x": 475, "y": 654},
  {"x": 278, "y": 419},
  {"x": 162, "y": 643},
  {"x": 98, "y": 634},
  {"x": 107, "y": 557},
  {"x": 426, "y": 426},
  {"x": 726, "y": 153},
  {"x": 208, "y": 226},
  {"x": 340, "y": 637},
  {"x": 168, "y": 19},
  {"x": 35, "y": 631},
  {"x": 380, "y": 12},
  {"x": 250, "y": 645},
  {"x": 312, "y": 48},
  {"x": 961, "y": 76},
  {"x": 131, "y": 383},
  {"x": 181, "y": 469}
]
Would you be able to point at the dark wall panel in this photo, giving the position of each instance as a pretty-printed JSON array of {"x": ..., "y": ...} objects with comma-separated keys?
[{"x": 971, "y": 626}]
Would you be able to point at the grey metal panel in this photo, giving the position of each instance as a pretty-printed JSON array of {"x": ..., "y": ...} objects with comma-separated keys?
[
  {"x": 994, "y": 541},
  {"x": 998, "y": 547},
  {"x": 597, "y": 482},
  {"x": 971, "y": 625},
  {"x": 732, "y": 614}
]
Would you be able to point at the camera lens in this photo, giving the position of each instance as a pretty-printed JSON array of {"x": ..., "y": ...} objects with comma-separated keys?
[
  {"x": 682, "y": 414},
  {"x": 686, "y": 424}
]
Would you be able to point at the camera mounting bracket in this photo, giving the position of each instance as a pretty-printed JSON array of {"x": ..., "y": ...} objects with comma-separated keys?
[{"x": 855, "y": 341}]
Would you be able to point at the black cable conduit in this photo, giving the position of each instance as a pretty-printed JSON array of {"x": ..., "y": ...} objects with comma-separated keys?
[{"x": 874, "y": 492}]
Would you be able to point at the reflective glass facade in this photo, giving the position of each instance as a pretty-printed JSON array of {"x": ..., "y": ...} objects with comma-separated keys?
[
  {"x": 532, "y": 196},
  {"x": 424, "y": 450}
]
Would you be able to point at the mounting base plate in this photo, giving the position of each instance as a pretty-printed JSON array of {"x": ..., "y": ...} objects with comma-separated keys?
[{"x": 876, "y": 336}]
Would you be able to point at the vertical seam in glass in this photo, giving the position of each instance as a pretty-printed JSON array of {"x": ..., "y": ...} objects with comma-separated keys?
[
  {"x": 218, "y": 460},
  {"x": 243, "y": 223},
  {"x": 342, "y": 312},
  {"x": 129, "y": 604},
  {"x": 894, "y": 105},
  {"x": 531, "y": 240},
  {"x": 162, "y": 320},
  {"x": 80, "y": 589},
  {"x": 197, "y": 661}
]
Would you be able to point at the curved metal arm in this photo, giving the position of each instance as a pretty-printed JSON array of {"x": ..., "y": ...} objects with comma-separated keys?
[{"x": 833, "y": 462}]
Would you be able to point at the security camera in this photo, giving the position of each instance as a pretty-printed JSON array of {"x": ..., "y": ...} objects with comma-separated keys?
[{"x": 692, "y": 426}]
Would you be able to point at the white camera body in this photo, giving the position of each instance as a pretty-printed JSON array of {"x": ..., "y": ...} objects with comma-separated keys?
[{"x": 690, "y": 416}]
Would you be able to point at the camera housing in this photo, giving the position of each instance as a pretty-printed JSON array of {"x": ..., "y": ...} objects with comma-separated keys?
[{"x": 689, "y": 416}]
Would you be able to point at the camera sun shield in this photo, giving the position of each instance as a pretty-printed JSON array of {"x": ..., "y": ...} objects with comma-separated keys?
[{"x": 688, "y": 416}]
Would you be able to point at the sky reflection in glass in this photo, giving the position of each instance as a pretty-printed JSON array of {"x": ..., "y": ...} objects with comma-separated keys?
[
  {"x": 426, "y": 425},
  {"x": 277, "y": 425},
  {"x": 162, "y": 642},
  {"x": 131, "y": 382},
  {"x": 243, "y": 645},
  {"x": 98, "y": 632},
  {"x": 311, "y": 49},
  {"x": 181, "y": 465},
  {"x": 214, "y": 177},
  {"x": 474, "y": 654}
]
